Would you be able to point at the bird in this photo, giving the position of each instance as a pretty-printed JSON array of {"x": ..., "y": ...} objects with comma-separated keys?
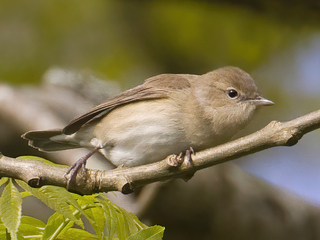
[{"x": 167, "y": 114}]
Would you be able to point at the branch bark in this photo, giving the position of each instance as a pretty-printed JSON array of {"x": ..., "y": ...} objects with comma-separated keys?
[{"x": 38, "y": 173}]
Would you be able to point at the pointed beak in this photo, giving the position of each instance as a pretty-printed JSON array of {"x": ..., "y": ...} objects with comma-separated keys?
[{"x": 260, "y": 101}]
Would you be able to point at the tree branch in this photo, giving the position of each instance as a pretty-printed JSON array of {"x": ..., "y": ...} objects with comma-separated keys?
[{"x": 37, "y": 173}]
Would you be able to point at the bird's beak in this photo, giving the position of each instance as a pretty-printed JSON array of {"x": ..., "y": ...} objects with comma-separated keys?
[{"x": 260, "y": 101}]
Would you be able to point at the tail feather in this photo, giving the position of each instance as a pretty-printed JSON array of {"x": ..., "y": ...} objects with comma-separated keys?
[{"x": 43, "y": 140}]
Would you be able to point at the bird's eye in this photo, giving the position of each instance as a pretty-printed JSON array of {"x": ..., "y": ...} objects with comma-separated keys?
[{"x": 232, "y": 93}]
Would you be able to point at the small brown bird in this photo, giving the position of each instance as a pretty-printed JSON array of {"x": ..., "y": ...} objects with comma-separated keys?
[{"x": 167, "y": 114}]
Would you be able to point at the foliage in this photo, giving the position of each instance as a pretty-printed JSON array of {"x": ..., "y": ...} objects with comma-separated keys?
[
  {"x": 132, "y": 40},
  {"x": 108, "y": 220}
]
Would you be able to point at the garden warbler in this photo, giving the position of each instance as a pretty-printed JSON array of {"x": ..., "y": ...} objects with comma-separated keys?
[{"x": 167, "y": 114}]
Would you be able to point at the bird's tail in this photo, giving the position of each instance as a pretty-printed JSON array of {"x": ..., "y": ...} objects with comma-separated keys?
[{"x": 50, "y": 140}]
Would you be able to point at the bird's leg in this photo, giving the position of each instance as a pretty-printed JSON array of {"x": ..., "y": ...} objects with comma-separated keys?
[{"x": 73, "y": 170}]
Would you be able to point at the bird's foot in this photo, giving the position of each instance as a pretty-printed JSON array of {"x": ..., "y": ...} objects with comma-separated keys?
[
  {"x": 186, "y": 157},
  {"x": 177, "y": 160},
  {"x": 74, "y": 169}
]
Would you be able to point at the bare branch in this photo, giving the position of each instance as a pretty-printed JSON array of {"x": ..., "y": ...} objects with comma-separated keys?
[{"x": 37, "y": 173}]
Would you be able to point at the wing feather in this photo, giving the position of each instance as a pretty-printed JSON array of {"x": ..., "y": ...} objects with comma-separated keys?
[{"x": 153, "y": 88}]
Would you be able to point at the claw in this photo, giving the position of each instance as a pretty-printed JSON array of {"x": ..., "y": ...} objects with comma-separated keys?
[
  {"x": 188, "y": 157},
  {"x": 189, "y": 164}
]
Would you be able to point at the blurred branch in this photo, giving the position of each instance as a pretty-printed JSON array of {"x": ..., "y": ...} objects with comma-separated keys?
[{"x": 37, "y": 173}]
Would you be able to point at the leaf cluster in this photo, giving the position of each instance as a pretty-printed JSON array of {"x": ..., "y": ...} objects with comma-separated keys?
[{"x": 108, "y": 220}]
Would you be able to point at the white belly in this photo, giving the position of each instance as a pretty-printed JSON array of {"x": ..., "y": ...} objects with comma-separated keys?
[{"x": 142, "y": 133}]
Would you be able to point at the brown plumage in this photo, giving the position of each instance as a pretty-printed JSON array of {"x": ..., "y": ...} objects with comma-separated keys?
[{"x": 165, "y": 115}]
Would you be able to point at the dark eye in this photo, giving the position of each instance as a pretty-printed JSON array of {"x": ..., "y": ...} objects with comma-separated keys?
[{"x": 232, "y": 93}]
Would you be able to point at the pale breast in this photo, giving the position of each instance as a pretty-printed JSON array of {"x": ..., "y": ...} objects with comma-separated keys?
[{"x": 142, "y": 132}]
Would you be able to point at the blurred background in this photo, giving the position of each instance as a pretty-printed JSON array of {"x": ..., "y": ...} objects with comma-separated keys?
[{"x": 59, "y": 58}]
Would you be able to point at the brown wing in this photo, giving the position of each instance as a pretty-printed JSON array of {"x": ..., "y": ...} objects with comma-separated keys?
[{"x": 153, "y": 88}]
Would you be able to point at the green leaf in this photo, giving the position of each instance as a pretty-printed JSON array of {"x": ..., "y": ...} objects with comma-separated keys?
[
  {"x": 93, "y": 212},
  {"x": 134, "y": 222},
  {"x": 10, "y": 208},
  {"x": 151, "y": 233},
  {"x": 32, "y": 221},
  {"x": 3, "y": 180},
  {"x": 77, "y": 234},
  {"x": 119, "y": 221},
  {"x": 113, "y": 225},
  {"x": 57, "y": 198},
  {"x": 75, "y": 201},
  {"x": 25, "y": 194},
  {"x": 97, "y": 219},
  {"x": 129, "y": 227},
  {"x": 31, "y": 227},
  {"x": 3, "y": 231},
  {"x": 56, "y": 225}
]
